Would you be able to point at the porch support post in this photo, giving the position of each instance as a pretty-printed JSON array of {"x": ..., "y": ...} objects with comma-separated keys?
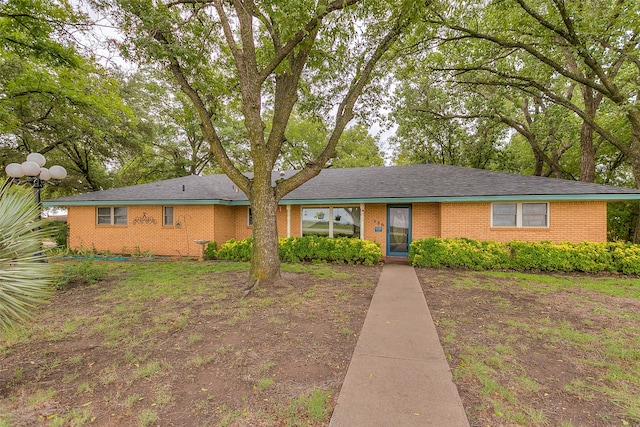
[
  {"x": 331, "y": 221},
  {"x": 288, "y": 220},
  {"x": 361, "y": 221}
]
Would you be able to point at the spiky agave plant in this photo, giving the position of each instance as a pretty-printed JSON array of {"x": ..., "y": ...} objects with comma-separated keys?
[{"x": 24, "y": 279}]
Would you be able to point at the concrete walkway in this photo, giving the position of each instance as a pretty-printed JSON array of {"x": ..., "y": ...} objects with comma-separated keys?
[{"x": 398, "y": 375}]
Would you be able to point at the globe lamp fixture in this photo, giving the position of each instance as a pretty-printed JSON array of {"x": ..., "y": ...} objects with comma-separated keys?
[{"x": 34, "y": 172}]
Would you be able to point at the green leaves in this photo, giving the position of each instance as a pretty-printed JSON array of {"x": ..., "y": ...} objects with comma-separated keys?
[
  {"x": 35, "y": 28},
  {"x": 524, "y": 256},
  {"x": 306, "y": 138},
  {"x": 56, "y": 100},
  {"x": 310, "y": 248},
  {"x": 24, "y": 278}
]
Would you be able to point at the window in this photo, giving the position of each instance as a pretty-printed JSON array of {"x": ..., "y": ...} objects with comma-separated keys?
[
  {"x": 315, "y": 221},
  {"x": 249, "y": 218},
  {"x": 505, "y": 214},
  {"x": 112, "y": 215},
  {"x": 167, "y": 215},
  {"x": 332, "y": 221},
  {"x": 346, "y": 221},
  {"x": 534, "y": 214},
  {"x": 520, "y": 215}
]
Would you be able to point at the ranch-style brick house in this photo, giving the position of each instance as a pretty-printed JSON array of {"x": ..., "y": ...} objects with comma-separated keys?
[{"x": 388, "y": 205}]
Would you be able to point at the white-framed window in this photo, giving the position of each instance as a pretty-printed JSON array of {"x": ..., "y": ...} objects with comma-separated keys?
[
  {"x": 167, "y": 215},
  {"x": 520, "y": 214},
  {"x": 249, "y": 218},
  {"x": 331, "y": 221},
  {"x": 111, "y": 215}
]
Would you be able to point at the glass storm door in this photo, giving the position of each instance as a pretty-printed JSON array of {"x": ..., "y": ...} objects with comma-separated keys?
[{"x": 398, "y": 230}]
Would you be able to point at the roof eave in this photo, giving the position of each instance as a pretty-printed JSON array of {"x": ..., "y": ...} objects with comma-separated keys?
[
  {"x": 386, "y": 200},
  {"x": 445, "y": 199},
  {"x": 52, "y": 203}
]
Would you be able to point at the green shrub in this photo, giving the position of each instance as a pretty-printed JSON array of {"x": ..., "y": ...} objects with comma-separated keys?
[
  {"x": 236, "y": 250},
  {"x": 458, "y": 253},
  {"x": 25, "y": 276},
  {"x": 547, "y": 256},
  {"x": 340, "y": 250},
  {"x": 523, "y": 256},
  {"x": 625, "y": 257},
  {"x": 592, "y": 257},
  {"x": 211, "y": 251},
  {"x": 58, "y": 231},
  {"x": 78, "y": 273}
]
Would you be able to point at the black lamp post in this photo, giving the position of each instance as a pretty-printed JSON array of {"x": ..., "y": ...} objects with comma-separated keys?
[{"x": 36, "y": 174}]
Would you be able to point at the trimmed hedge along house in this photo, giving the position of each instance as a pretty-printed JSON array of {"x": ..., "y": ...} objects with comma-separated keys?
[{"x": 388, "y": 205}]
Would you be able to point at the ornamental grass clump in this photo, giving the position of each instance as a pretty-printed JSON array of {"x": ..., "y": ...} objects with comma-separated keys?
[{"x": 25, "y": 277}]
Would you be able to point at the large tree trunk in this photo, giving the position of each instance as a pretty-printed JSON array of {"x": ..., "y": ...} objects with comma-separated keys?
[
  {"x": 635, "y": 167},
  {"x": 587, "y": 154},
  {"x": 265, "y": 258},
  {"x": 634, "y": 158},
  {"x": 587, "y": 150}
]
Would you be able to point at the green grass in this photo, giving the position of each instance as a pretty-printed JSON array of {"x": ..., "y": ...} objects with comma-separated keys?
[
  {"x": 131, "y": 400},
  {"x": 616, "y": 286},
  {"x": 324, "y": 271},
  {"x": 40, "y": 397},
  {"x": 148, "y": 370},
  {"x": 263, "y": 384},
  {"x": 313, "y": 406},
  {"x": 147, "y": 417}
]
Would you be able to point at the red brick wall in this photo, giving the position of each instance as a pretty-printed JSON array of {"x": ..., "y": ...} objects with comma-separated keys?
[
  {"x": 375, "y": 215},
  {"x": 568, "y": 222},
  {"x": 190, "y": 223},
  {"x": 425, "y": 220},
  {"x": 225, "y": 223},
  {"x": 244, "y": 230},
  {"x": 296, "y": 222}
]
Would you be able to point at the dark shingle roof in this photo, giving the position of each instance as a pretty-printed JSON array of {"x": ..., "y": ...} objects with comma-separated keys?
[{"x": 401, "y": 183}]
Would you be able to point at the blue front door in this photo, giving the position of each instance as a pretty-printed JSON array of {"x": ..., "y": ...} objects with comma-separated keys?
[{"x": 398, "y": 230}]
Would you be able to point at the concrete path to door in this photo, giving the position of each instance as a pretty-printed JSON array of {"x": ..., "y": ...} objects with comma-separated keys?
[{"x": 398, "y": 375}]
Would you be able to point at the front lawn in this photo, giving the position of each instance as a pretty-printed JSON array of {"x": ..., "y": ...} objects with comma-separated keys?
[
  {"x": 540, "y": 349},
  {"x": 173, "y": 343}
]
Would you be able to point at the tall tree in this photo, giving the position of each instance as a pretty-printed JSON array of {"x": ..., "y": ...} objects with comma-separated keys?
[
  {"x": 581, "y": 55},
  {"x": 174, "y": 144},
  {"x": 438, "y": 123},
  {"x": 256, "y": 59},
  {"x": 55, "y": 100},
  {"x": 593, "y": 44}
]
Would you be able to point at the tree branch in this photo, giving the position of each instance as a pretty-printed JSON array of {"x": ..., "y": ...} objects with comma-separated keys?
[
  {"x": 208, "y": 128},
  {"x": 530, "y": 50},
  {"x": 525, "y": 85},
  {"x": 309, "y": 28},
  {"x": 345, "y": 111}
]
